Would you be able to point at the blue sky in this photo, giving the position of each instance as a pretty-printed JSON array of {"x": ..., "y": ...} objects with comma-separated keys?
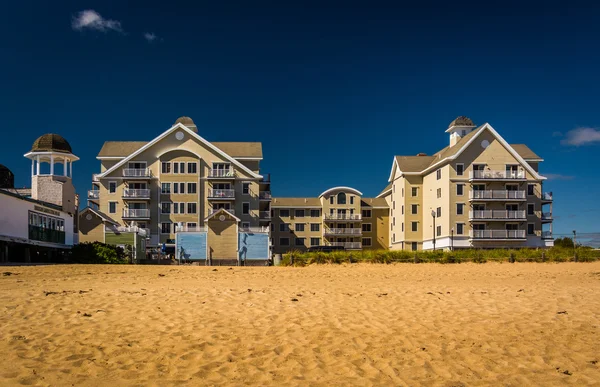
[{"x": 332, "y": 89}]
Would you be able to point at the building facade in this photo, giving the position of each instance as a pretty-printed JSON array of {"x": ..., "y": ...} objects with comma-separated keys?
[
  {"x": 479, "y": 192},
  {"x": 340, "y": 216}
]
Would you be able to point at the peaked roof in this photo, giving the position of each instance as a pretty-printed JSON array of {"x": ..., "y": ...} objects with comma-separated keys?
[
  {"x": 414, "y": 163},
  {"x": 387, "y": 189},
  {"x": 120, "y": 148},
  {"x": 222, "y": 211},
  {"x": 524, "y": 151},
  {"x": 374, "y": 202},
  {"x": 101, "y": 215},
  {"x": 295, "y": 202},
  {"x": 233, "y": 149}
]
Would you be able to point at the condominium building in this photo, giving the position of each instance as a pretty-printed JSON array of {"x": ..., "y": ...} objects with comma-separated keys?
[
  {"x": 479, "y": 191},
  {"x": 340, "y": 216},
  {"x": 176, "y": 183}
]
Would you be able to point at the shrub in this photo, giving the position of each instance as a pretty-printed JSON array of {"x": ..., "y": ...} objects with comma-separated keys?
[{"x": 97, "y": 253}]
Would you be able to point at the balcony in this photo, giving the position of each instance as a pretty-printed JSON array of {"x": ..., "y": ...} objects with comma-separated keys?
[
  {"x": 497, "y": 234},
  {"x": 264, "y": 215},
  {"x": 546, "y": 217},
  {"x": 221, "y": 174},
  {"x": 137, "y": 172},
  {"x": 129, "y": 193},
  {"x": 185, "y": 228},
  {"x": 264, "y": 195},
  {"x": 547, "y": 235},
  {"x": 214, "y": 210},
  {"x": 145, "y": 232},
  {"x": 497, "y": 215},
  {"x": 342, "y": 216},
  {"x": 497, "y": 195},
  {"x": 497, "y": 175},
  {"x": 94, "y": 194},
  {"x": 221, "y": 194},
  {"x": 347, "y": 245},
  {"x": 141, "y": 213},
  {"x": 547, "y": 197},
  {"x": 343, "y": 231}
]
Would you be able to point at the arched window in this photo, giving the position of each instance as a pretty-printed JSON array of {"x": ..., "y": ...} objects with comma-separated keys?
[{"x": 341, "y": 198}]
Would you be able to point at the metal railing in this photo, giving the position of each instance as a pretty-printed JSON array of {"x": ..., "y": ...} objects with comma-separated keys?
[
  {"x": 221, "y": 173},
  {"x": 264, "y": 214},
  {"x": 546, "y": 234},
  {"x": 493, "y": 175},
  {"x": 136, "y": 193},
  {"x": 145, "y": 232},
  {"x": 497, "y": 195},
  {"x": 186, "y": 228},
  {"x": 137, "y": 172},
  {"x": 254, "y": 229},
  {"x": 213, "y": 210},
  {"x": 347, "y": 245},
  {"x": 221, "y": 193},
  {"x": 342, "y": 216},
  {"x": 93, "y": 194},
  {"x": 546, "y": 215},
  {"x": 136, "y": 213},
  {"x": 497, "y": 234},
  {"x": 343, "y": 231},
  {"x": 497, "y": 214},
  {"x": 264, "y": 195},
  {"x": 547, "y": 196}
]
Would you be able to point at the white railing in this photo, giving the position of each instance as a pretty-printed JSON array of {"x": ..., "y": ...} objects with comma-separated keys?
[
  {"x": 136, "y": 213},
  {"x": 93, "y": 194},
  {"x": 546, "y": 215},
  {"x": 497, "y": 194},
  {"x": 264, "y": 195},
  {"x": 213, "y": 210},
  {"x": 497, "y": 234},
  {"x": 185, "y": 228},
  {"x": 497, "y": 214},
  {"x": 347, "y": 245},
  {"x": 254, "y": 229},
  {"x": 492, "y": 175},
  {"x": 547, "y": 196},
  {"x": 546, "y": 234},
  {"x": 342, "y": 216},
  {"x": 343, "y": 231},
  {"x": 264, "y": 214},
  {"x": 221, "y": 173},
  {"x": 221, "y": 193},
  {"x": 136, "y": 193},
  {"x": 137, "y": 172},
  {"x": 145, "y": 232}
]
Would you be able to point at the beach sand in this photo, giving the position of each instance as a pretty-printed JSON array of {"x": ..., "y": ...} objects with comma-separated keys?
[{"x": 440, "y": 325}]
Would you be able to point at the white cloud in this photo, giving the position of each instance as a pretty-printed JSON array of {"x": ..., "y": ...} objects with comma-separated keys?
[
  {"x": 581, "y": 136},
  {"x": 150, "y": 36},
  {"x": 556, "y": 176},
  {"x": 92, "y": 20}
]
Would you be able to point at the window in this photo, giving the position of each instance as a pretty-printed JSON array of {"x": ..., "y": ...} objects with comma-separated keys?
[
  {"x": 415, "y": 226},
  {"x": 331, "y": 200},
  {"x": 165, "y": 188},
  {"x": 165, "y": 167},
  {"x": 165, "y": 228},
  {"x": 299, "y": 227},
  {"x": 438, "y": 230},
  {"x": 315, "y": 241},
  {"x": 299, "y": 213},
  {"x": 179, "y": 167},
  {"x": 246, "y": 225},
  {"x": 315, "y": 227},
  {"x": 460, "y": 228},
  {"x": 284, "y": 213},
  {"x": 341, "y": 198},
  {"x": 460, "y": 169},
  {"x": 394, "y": 221},
  {"x": 438, "y": 174},
  {"x": 439, "y": 193},
  {"x": 366, "y": 242},
  {"x": 284, "y": 227},
  {"x": 403, "y": 209},
  {"x": 284, "y": 241},
  {"x": 192, "y": 225},
  {"x": 351, "y": 199},
  {"x": 112, "y": 187},
  {"x": 402, "y": 226},
  {"x": 246, "y": 208},
  {"x": 460, "y": 189},
  {"x": 179, "y": 208},
  {"x": 530, "y": 209},
  {"x": 178, "y": 188},
  {"x": 299, "y": 241},
  {"x": 415, "y": 191},
  {"x": 112, "y": 207},
  {"x": 530, "y": 189},
  {"x": 402, "y": 192},
  {"x": 366, "y": 227},
  {"x": 439, "y": 212},
  {"x": 191, "y": 188},
  {"x": 191, "y": 208},
  {"x": 459, "y": 208},
  {"x": 530, "y": 229},
  {"x": 192, "y": 167},
  {"x": 414, "y": 246},
  {"x": 366, "y": 213},
  {"x": 414, "y": 209},
  {"x": 315, "y": 213},
  {"x": 394, "y": 205}
]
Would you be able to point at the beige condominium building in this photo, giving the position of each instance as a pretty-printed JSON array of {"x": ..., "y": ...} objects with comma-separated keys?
[
  {"x": 175, "y": 182},
  {"x": 339, "y": 216},
  {"x": 478, "y": 192}
]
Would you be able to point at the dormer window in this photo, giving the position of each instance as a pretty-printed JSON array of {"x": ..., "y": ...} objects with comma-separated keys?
[
  {"x": 341, "y": 198},
  {"x": 463, "y": 132}
]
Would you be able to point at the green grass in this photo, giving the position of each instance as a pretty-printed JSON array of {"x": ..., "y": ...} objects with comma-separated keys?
[{"x": 554, "y": 254}]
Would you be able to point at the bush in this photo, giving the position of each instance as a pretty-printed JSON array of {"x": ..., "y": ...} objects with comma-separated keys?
[{"x": 97, "y": 253}]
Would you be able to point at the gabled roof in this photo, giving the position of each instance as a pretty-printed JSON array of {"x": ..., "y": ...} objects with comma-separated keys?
[
  {"x": 101, "y": 215},
  {"x": 352, "y": 190},
  {"x": 374, "y": 202},
  {"x": 386, "y": 190},
  {"x": 295, "y": 202},
  {"x": 193, "y": 135},
  {"x": 524, "y": 151},
  {"x": 120, "y": 148},
  {"x": 222, "y": 211},
  {"x": 233, "y": 149}
]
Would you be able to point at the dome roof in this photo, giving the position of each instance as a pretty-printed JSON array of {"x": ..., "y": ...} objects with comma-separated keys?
[
  {"x": 187, "y": 121},
  {"x": 51, "y": 142},
  {"x": 4, "y": 168},
  {"x": 461, "y": 121}
]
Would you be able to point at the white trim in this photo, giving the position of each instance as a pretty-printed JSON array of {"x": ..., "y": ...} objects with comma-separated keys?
[
  {"x": 456, "y": 228},
  {"x": 104, "y": 219},
  {"x": 384, "y": 193},
  {"x": 160, "y": 212},
  {"x": 191, "y": 133},
  {"x": 116, "y": 206},
  {"x": 341, "y": 188},
  {"x": 248, "y": 203},
  {"x": 187, "y": 208},
  {"x": 363, "y": 241},
  {"x": 463, "y": 168},
  {"x": 110, "y": 157},
  {"x": 248, "y": 158},
  {"x": 370, "y": 227},
  {"x": 246, "y": 182},
  {"x": 221, "y": 211},
  {"x": 283, "y": 206},
  {"x": 188, "y": 163}
]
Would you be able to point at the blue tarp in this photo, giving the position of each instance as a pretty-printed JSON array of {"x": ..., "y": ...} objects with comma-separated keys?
[
  {"x": 253, "y": 245},
  {"x": 193, "y": 243}
]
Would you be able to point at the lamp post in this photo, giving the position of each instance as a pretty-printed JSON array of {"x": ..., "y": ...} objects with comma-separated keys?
[
  {"x": 575, "y": 245},
  {"x": 452, "y": 239},
  {"x": 433, "y": 216}
]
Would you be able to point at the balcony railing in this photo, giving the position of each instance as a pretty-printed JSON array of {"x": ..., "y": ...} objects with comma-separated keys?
[
  {"x": 145, "y": 232},
  {"x": 347, "y": 245},
  {"x": 546, "y": 234},
  {"x": 93, "y": 194},
  {"x": 254, "y": 229},
  {"x": 497, "y": 214},
  {"x": 497, "y": 175},
  {"x": 136, "y": 213},
  {"x": 136, "y": 193},
  {"x": 213, "y": 210},
  {"x": 343, "y": 231},
  {"x": 137, "y": 172},
  {"x": 229, "y": 173},
  {"x": 264, "y": 214},
  {"x": 221, "y": 194},
  {"x": 497, "y": 234},
  {"x": 547, "y": 196},
  {"x": 546, "y": 216},
  {"x": 497, "y": 195},
  {"x": 185, "y": 228},
  {"x": 342, "y": 216},
  {"x": 264, "y": 195}
]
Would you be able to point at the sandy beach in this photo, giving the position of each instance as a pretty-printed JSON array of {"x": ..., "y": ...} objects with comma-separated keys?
[{"x": 438, "y": 325}]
